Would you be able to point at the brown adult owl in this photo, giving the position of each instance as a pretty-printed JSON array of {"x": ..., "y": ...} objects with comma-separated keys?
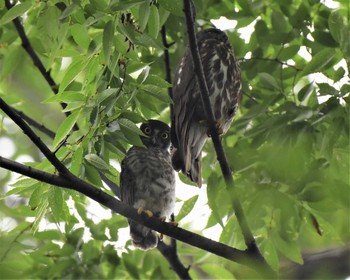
[{"x": 189, "y": 129}]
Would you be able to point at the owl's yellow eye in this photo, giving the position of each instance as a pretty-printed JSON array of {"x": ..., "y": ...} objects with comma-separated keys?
[
  {"x": 165, "y": 135},
  {"x": 147, "y": 130}
]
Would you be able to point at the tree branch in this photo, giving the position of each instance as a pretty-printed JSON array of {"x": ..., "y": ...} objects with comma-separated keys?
[
  {"x": 35, "y": 124},
  {"x": 29, "y": 49},
  {"x": 170, "y": 253},
  {"x": 35, "y": 58},
  {"x": 33, "y": 137},
  {"x": 75, "y": 183},
  {"x": 276, "y": 60},
  {"x": 226, "y": 171}
]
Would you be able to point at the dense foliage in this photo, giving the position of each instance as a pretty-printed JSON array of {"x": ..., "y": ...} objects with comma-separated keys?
[{"x": 288, "y": 145}]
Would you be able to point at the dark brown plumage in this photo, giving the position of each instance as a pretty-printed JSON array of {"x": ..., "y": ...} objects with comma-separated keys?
[{"x": 189, "y": 129}]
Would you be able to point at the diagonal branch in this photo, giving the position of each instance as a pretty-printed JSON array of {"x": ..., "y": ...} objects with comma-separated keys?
[
  {"x": 33, "y": 137},
  {"x": 29, "y": 49},
  {"x": 226, "y": 171},
  {"x": 35, "y": 124},
  {"x": 68, "y": 180},
  {"x": 35, "y": 58},
  {"x": 75, "y": 183}
]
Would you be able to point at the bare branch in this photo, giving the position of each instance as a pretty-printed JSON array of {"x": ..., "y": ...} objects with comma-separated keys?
[
  {"x": 226, "y": 171},
  {"x": 170, "y": 253}
]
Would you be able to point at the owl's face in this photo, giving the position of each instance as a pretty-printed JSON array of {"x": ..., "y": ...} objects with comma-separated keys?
[{"x": 157, "y": 134}]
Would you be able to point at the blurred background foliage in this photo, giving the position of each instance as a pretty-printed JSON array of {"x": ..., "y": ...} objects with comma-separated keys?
[{"x": 288, "y": 145}]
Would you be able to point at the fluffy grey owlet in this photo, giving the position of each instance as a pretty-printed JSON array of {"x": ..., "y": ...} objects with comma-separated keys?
[
  {"x": 147, "y": 180},
  {"x": 189, "y": 127}
]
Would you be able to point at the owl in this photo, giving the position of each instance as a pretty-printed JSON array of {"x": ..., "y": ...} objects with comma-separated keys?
[
  {"x": 147, "y": 180},
  {"x": 189, "y": 128}
]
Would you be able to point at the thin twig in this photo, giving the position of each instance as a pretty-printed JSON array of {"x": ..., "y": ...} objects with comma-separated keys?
[
  {"x": 13, "y": 241},
  {"x": 35, "y": 124},
  {"x": 35, "y": 58},
  {"x": 29, "y": 49},
  {"x": 167, "y": 66},
  {"x": 275, "y": 60},
  {"x": 33, "y": 137},
  {"x": 226, "y": 171}
]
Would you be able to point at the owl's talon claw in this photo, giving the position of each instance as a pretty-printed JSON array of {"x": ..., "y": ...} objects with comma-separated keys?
[{"x": 147, "y": 212}]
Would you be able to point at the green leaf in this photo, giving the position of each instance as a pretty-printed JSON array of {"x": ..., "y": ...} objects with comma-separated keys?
[
  {"x": 153, "y": 22},
  {"x": 55, "y": 199},
  {"x": 174, "y": 7},
  {"x": 131, "y": 269},
  {"x": 11, "y": 61},
  {"x": 217, "y": 271},
  {"x": 15, "y": 11},
  {"x": 144, "y": 12},
  {"x": 324, "y": 38},
  {"x": 126, "y": 4},
  {"x": 48, "y": 235},
  {"x": 130, "y": 131},
  {"x": 279, "y": 22},
  {"x": 288, "y": 52},
  {"x": 186, "y": 208},
  {"x": 97, "y": 162},
  {"x": 336, "y": 24},
  {"x": 66, "y": 97},
  {"x": 290, "y": 249},
  {"x": 65, "y": 128},
  {"x": 108, "y": 35},
  {"x": 37, "y": 196},
  {"x": 326, "y": 89},
  {"x": 269, "y": 251},
  {"x": 318, "y": 61},
  {"x": 41, "y": 211},
  {"x": 148, "y": 41},
  {"x": 21, "y": 186},
  {"x": 80, "y": 35},
  {"x": 157, "y": 81},
  {"x": 91, "y": 252},
  {"x": 73, "y": 70},
  {"x": 157, "y": 92},
  {"x": 268, "y": 81}
]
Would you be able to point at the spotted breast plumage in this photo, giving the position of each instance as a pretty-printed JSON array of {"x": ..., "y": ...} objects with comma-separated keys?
[
  {"x": 147, "y": 180},
  {"x": 189, "y": 128}
]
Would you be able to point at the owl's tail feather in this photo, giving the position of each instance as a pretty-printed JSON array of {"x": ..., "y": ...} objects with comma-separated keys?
[
  {"x": 191, "y": 167},
  {"x": 195, "y": 173},
  {"x": 142, "y": 237}
]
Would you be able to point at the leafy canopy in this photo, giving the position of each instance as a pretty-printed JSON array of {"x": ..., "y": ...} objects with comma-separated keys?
[{"x": 288, "y": 146}]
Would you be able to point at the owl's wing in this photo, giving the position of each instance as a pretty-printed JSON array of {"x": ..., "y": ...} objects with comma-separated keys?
[
  {"x": 127, "y": 179},
  {"x": 185, "y": 97}
]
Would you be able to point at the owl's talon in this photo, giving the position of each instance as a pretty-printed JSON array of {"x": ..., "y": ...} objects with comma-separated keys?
[{"x": 147, "y": 212}]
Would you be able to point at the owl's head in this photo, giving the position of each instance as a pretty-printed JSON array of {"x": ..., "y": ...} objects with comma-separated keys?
[{"x": 157, "y": 134}]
